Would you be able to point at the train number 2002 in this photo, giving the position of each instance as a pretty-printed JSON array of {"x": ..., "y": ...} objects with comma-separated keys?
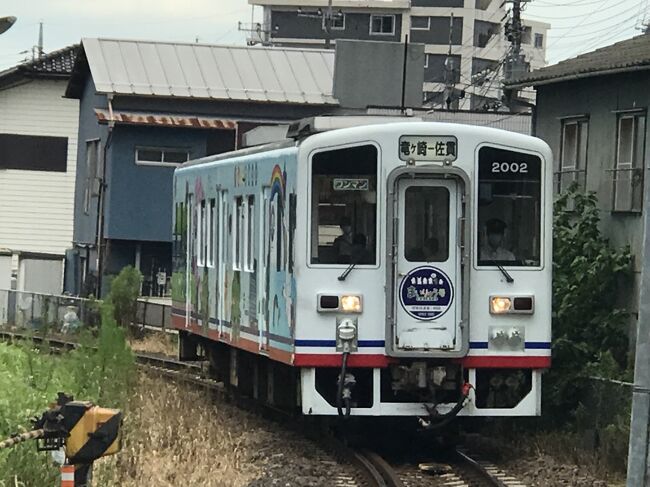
[{"x": 510, "y": 167}]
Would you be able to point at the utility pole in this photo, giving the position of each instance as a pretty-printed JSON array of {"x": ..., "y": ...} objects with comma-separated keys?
[
  {"x": 515, "y": 64},
  {"x": 449, "y": 81},
  {"x": 637, "y": 466},
  {"x": 327, "y": 17},
  {"x": 328, "y": 25}
]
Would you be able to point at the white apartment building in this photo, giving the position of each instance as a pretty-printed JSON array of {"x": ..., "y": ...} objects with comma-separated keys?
[{"x": 465, "y": 40}]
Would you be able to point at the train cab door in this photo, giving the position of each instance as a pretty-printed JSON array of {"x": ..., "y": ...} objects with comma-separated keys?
[{"x": 427, "y": 270}]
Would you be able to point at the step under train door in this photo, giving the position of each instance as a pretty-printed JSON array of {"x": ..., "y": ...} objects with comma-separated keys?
[{"x": 426, "y": 280}]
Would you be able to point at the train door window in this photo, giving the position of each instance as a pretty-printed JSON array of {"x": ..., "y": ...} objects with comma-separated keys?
[
  {"x": 237, "y": 234},
  {"x": 509, "y": 208},
  {"x": 426, "y": 228},
  {"x": 344, "y": 206},
  {"x": 250, "y": 235}
]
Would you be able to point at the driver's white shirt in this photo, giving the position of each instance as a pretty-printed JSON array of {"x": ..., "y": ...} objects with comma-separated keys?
[{"x": 488, "y": 253}]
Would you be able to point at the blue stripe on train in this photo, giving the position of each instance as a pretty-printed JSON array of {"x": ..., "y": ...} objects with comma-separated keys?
[
  {"x": 332, "y": 343},
  {"x": 529, "y": 345}
]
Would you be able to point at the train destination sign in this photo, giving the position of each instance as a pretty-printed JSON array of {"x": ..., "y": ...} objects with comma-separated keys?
[{"x": 431, "y": 148}]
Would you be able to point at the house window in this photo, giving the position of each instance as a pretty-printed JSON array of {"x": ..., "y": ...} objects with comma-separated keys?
[
  {"x": 382, "y": 24},
  {"x": 420, "y": 23},
  {"x": 573, "y": 153},
  {"x": 539, "y": 41},
  {"x": 151, "y": 156},
  {"x": 33, "y": 152},
  {"x": 337, "y": 22},
  {"x": 628, "y": 172},
  {"x": 91, "y": 186}
]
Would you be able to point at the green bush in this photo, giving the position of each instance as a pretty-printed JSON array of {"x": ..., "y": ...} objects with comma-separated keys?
[
  {"x": 589, "y": 330},
  {"x": 125, "y": 290},
  {"x": 100, "y": 371}
]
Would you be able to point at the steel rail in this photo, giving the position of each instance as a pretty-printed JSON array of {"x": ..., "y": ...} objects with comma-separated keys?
[{"x": 481, "y": 470}]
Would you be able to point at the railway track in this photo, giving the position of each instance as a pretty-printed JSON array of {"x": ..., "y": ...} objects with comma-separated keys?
[{"x": 369, "y": 468}]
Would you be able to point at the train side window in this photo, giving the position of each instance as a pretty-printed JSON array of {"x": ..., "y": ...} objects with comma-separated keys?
[
  {"x": 509, "y": 208},
  {"x": 211, "y": 238},
  {"x": 344, "y": 206},
  {"x": 200, "y": 226},
  {"x": 250, "y": 235},
  {"x": 237, "y": 234}
]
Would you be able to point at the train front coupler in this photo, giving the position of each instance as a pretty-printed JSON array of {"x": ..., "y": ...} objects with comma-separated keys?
[
  {"x": 346, "y": 342},
  {"x": 436, "y": 420}
]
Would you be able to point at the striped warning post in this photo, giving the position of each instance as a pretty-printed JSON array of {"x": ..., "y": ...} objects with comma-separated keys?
[{"x": 67, "y": 475}]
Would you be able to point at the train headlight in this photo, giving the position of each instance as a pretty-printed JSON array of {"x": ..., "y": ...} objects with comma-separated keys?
[
  {"x": 520, "y": 305},
  {"x": 351, "y": 303},
  {"x": 500, "y": 305}
]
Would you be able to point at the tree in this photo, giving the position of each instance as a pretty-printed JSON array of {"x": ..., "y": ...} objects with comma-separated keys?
[{"x": 123, "y": 297}]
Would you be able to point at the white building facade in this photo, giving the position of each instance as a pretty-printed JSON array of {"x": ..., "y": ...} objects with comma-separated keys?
[
  {"x": 465, "y": 40},
  {"x": 38, "y": 153}
]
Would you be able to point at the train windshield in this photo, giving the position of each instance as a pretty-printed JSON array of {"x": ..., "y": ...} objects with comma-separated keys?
[
  {"x": 509, "y": 208},
  {"x": 344, "y": 206}
]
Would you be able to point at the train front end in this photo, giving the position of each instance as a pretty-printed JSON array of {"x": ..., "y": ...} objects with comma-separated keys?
[{"x": 426, "y": 289}]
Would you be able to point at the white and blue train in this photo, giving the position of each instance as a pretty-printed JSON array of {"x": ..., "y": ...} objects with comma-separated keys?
[{"x": 415, "y": 256}]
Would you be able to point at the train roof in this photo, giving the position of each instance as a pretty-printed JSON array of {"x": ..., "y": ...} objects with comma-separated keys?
[{"x": 325, "y": 132}]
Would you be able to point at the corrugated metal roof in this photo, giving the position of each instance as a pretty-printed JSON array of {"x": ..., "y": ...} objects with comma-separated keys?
[
  {"x": 281, "y": 75},
  {"x": 164, "y": 119},
  {"x": 629, "y": 55}
]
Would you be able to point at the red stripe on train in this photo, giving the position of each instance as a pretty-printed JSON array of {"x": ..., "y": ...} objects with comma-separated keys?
[{"x": 496, "y": 362}]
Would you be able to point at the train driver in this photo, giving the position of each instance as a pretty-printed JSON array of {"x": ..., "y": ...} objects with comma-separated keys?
[
  {"x": 343, "y": 244},
  {"x": 492, "y": 249}
]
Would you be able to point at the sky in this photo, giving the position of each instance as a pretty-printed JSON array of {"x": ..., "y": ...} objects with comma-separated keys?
[{"x": 577, "y": 26}]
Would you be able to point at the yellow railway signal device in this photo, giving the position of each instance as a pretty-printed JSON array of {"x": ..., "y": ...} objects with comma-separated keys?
[
  {"x": 93, "y": 431},
  {"x": 86, "y": 432}
]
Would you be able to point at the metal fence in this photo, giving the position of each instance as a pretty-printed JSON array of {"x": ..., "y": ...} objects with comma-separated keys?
[
  {"x": 152, "y": 314},
  {"x": 35, "y": 311}
]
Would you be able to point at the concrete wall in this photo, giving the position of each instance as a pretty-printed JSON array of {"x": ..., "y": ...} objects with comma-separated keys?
[{"x": 36, "y": 207}]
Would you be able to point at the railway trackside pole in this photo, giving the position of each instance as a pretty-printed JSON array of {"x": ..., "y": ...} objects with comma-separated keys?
[{"x": 637, "y": 467}]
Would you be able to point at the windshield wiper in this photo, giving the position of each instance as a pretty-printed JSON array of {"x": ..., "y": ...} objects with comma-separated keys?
[
  {"x": 348, "y": 270},
  {"x": 509, "y": 278}
]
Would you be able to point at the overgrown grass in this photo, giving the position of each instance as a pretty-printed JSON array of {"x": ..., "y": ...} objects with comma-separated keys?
[
  {"x": 100, "y": 371},
  {"x": 177, "y": 435}
]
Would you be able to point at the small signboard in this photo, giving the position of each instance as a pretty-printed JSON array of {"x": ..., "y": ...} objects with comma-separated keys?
[
  {"x": 351, "y": 184},
  {"x": 426, "y": 293},
  {"x": 430, "y": 148}
]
